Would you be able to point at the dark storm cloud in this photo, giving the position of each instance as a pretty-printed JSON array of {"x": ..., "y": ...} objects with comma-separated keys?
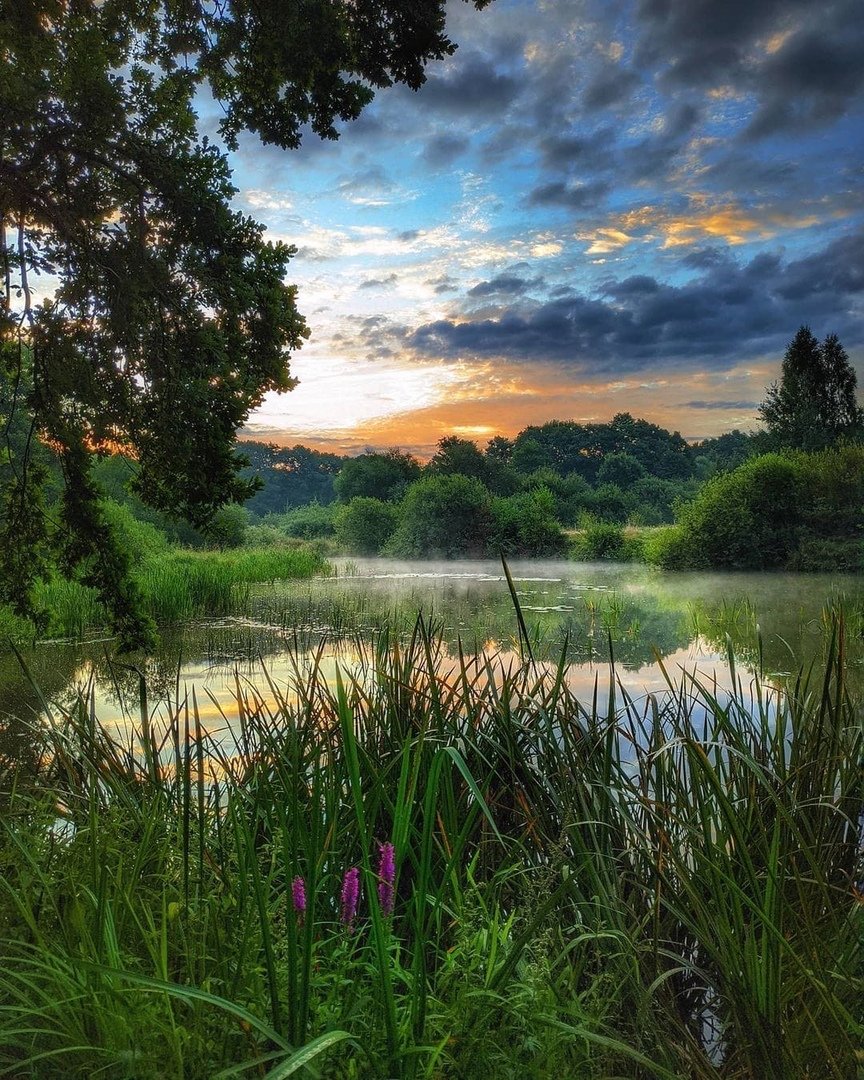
[
  {"x": 700, "y": 42},
  {"x": 572, "y": 196},
  {"x": 811, "y": 79},
  {"x": 612, "y": 85},
  {"x": 730, "y": 313},
  {"x": 809, "y": 75},
  {"x": 593, "y": 152}
]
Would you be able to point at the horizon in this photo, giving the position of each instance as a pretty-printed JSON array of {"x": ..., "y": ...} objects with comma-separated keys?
[{"x": 587, "y": 209}]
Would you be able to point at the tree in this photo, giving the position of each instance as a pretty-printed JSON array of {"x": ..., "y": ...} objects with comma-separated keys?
[
  {"x": 364, "y": 525},
  {"x": 377, "y": 476},
  {"x": 170, "y": 318},
  {"x": 444, "y": 516},
  {"x": 814, "y": 404},
  {"x": 620, "y": 468}
]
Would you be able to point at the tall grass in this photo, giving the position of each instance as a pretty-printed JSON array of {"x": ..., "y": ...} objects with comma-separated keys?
[
  {"x": 176, "y": 584},
  {"x": 631, "y": 888}
]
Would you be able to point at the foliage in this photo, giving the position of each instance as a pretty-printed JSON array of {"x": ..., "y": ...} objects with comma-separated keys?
[
  {"x": 364, "y": 525},
  {"x": 724, "y": 452},
  {"x": 140, "y": 538},
  {"x": 746, "y": 519},
  {"x": 308, "y": 522},
  {"x": 598, "y": 540},
  {"x": 656, "y": 499},
  {"x": 527, "y": 525},
  {"x": 620, "y": 468},
  {"x": 568, "y": 447},
  {"x": 650, "y": 890},
  {"x": 227, "y": 527},
  {"x": 814, "y": 404},
  {"x": 289, "y": 476},
  {"x": 377, "y": 476},
  {"x": 773, "y": 511},
  {"x": 171, "y": 318},
  {"x": 444, "y": 516}
]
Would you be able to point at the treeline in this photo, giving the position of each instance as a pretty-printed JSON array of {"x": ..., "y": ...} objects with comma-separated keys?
[{"x": 515, "y": 495}]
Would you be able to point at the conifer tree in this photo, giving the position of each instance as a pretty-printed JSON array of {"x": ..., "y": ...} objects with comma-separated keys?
[{"x": 814, "y": 404}]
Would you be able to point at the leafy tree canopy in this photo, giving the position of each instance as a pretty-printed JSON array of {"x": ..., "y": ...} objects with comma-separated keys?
[
  {"x": 569, "y": 447},
  {"x": 377, "y": 476},
  {"x": 162, "y": 317},
  {"x": 814, "y": 405}
]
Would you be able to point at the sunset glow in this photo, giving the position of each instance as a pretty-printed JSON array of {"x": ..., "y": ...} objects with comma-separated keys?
[{"x": 589, "y": 208}]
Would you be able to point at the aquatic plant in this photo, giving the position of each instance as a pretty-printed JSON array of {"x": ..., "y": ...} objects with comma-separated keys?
[{"x": 640, "y": 887}]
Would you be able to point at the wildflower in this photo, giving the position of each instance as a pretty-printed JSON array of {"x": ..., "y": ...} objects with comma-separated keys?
[
  {"x": 298, "y": 894},
  {"x": 386, "y": 876},
  {"x": 350, "y": 895}
]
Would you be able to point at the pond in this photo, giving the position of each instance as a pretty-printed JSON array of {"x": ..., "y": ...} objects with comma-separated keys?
[{"x": 656, "y": 624}]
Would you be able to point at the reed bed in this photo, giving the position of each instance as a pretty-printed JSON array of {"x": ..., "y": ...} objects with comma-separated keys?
[
  {"x": 176, "y": 584},
  {"x": 439, "y": 868}
]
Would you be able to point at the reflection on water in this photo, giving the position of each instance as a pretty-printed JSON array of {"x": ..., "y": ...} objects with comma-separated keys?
[{"x": 653, "y": 623}]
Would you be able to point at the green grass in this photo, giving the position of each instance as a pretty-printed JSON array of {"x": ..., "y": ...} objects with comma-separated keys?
[
  {"x": 177, "y": 584},
  {"x": 655, "y": 888}
]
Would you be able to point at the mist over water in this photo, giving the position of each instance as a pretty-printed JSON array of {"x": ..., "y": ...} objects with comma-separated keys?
[{"x": 658, "y": 626}]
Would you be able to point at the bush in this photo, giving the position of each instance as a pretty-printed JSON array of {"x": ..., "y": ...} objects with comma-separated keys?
[
  {"x": 140, "y": 539},
  {"x": 364, "y": 525},
  {"x": 228, "y": 527},
  {"x": 526, "y": 525},
  {"x": 444, "y": 516},
  {"x": 747, "y": 519},
  {"x": 610, "y": 503},
  {"x": 599, "y": 540},
  {"x": 308, "y": 522}
]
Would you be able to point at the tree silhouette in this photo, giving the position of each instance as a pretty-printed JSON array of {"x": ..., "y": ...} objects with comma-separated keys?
[
  {"x": 814, "y": 404},
  {"x": 166, "y": 316}
]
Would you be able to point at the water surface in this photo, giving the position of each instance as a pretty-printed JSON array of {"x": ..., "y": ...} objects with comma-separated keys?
[{"x": 657, "y": 625}]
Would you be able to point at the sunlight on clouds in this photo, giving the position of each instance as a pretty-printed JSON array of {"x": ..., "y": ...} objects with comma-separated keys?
[
  {"x": 266, "y": 200},
  {"x": 605, "y": 240},
  {"x": 775, "y": 42},
  {"x": 341, "y": 395}
]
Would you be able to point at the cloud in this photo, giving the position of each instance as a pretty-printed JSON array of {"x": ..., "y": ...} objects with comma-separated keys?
[
  {"x": 379, "y": 283},
  {"x": 729, "y": 313},
  {"x": 504, "y": 285},
  {"x": 470, "y": 84},
  {"x": 710, "y": 405},
  {"x": 443, "y": 149},
  {"x": 800, "y": 62}
]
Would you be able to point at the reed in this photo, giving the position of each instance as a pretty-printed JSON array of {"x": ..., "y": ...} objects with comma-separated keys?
[
  {"x": 176, "y": 584},
  {"x": 659, "y": 887}
]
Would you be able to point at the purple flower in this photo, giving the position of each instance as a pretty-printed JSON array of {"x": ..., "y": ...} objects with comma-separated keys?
[
  {"x": 386, "y": 876},
  {"x": 298, "y": 894},
  {"x": 350, "y": 895}
]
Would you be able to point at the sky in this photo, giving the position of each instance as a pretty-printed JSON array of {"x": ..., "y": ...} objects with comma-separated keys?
[{"x": 592, "y": 207}]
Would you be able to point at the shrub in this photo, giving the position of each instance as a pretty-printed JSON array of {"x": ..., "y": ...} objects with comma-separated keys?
[
  {"x": 140, "y": 539},
  {"x": 447, "y": 516},
  {"x": 228, "y": 527},
  {"x": 599, "y": 540},
  {"x": 746, "y": 519},
  {"x": 526, "y": 524},
  {"x": 308, "y": 522},
  {"x": 364, "y": 525}
]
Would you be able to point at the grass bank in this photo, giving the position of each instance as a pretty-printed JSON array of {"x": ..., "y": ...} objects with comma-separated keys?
[
  {"x": 656, "y": 888},
  {"x": 176, "y": 584}
]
